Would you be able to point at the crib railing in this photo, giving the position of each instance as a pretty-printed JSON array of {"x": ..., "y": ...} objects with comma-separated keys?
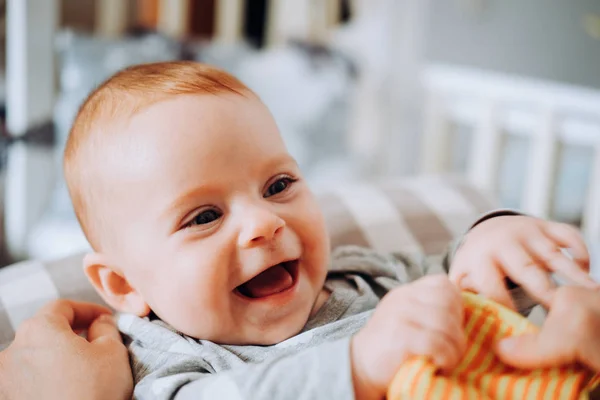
[{"x": 551, "y": 115}]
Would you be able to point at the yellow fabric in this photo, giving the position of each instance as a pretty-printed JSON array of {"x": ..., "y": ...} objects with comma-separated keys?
[{"x": 480, "y": 374}]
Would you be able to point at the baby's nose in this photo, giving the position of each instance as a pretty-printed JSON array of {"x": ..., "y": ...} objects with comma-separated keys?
[{"x": 260, "y": 227}]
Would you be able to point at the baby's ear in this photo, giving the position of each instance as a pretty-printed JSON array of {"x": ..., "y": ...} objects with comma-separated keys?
[{"x": 112, "y": 286}]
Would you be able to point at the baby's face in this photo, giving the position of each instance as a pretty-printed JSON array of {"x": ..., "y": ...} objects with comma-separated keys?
[{"x": 215, "y": 226}]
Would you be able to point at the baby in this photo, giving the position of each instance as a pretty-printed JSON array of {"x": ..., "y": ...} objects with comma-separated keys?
[{"x": 205, "y": 233}]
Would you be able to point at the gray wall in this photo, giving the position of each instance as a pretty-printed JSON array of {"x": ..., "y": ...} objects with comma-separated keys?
[{"x": 539, "y": 38}]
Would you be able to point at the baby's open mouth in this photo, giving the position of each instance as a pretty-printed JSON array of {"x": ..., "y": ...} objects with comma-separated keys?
[{"x": 273, "y": 280}]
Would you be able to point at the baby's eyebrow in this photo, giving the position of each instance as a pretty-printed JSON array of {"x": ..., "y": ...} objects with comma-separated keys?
[
  {"x": 183, "y": 200},
  {"x": 178, "y": 206},
  {"x": 278, "y": 161}
]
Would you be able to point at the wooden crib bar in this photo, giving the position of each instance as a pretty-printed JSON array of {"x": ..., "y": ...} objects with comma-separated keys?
[
  {"x": 484, "y": 157},
  {"x": 551, "y": 115},
  {"x": 591, "y": 220},
  {"x": 542, "y": 168}
]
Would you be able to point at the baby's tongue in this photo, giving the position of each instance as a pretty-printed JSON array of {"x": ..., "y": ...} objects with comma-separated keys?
[{"x": 274, "y": 280}]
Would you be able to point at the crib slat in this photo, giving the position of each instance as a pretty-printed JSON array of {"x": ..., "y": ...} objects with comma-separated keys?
[
  {"x": 229, "y": 20},
  {"x": 484, "y": 158},
  {"x": 543, "y": 162},
  {"x": 435, "y": 151},
  {"x": 173, "y": 17},
  {"x": 591, "y": 216},
  {"x": 30, "y": 92},
  {"x": 288, "y": 19},
  {"x": 324, "y": 15},
  {"x": 111, "y": 17}
]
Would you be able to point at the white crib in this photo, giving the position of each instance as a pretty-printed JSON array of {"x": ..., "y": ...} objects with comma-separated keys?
[
  {"x": 31, "y": 25},
  {"x": 551, "y": 114}
]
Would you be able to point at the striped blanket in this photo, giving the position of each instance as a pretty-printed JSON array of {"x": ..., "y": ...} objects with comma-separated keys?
[{"x": 481, "y": 375}]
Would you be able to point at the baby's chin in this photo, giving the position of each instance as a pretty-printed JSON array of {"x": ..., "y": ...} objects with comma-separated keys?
[
  {"x": 274, "y": 337},
  {"x": 255, "y": 326},
  {"x": 260, "y": 336},
  {"x": 290, "y": 328}
]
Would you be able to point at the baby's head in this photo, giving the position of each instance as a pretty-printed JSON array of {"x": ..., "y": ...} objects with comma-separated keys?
[{"x": 193, "y": 206}]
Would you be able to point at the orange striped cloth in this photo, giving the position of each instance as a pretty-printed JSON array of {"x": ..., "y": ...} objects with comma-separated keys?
[{"x": 481, "y": 375}]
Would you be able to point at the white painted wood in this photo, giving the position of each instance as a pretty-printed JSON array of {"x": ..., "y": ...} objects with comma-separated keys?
[
  {"x": 370, "y": 136},
  {"x": 272, "y": 38},
  {"x": 287, "y": 19},
  {"x": 30, "y": 94},
  {"x": 591, "y": 215},
  {"x": 324, "y": 15},
  {"x": 514, "y": 90},
  {"x": 484, "y": 157},
  {"x": 407, "y": 25},
  {"x": 571, "y": 117},
  {"x": 30, "y": 179},
  {"x": 111, "y": 17},
  {"x": 334, "y": 11},
  {"x": 30, "y": 62},
  {"x": 435, "y": 154},
  {"x": 173, "y": 17},
  {"x": 365, "y": 139},
  {"x": 542, "y": 167},
  {"x": 572, "y": 129},
  {"x": 300, "y": 19},
  {"x": 229, "y": 20},
  {"x": 387, "y": 107}
]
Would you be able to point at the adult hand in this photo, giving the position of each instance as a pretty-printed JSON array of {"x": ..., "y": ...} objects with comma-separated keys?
[
  {"x": 571, "y": 333},
  {"x": 49, "y": 360}
]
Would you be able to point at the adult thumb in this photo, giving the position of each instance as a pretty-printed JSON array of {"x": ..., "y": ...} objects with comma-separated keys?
[
  {"x": 534, "y": 351},
  {"x": 103, "y": 327}
]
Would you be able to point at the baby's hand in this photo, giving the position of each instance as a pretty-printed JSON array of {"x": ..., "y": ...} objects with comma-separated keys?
[
  {"x": 422, "y": 318},
  {"x": 526, "y": 250}
]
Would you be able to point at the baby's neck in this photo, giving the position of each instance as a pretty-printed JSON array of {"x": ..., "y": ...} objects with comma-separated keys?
[{"x": 321, "y": 299}]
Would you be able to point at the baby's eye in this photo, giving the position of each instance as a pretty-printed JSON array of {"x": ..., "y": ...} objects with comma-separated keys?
[
  {"x": 205, "y": 217},
  {"x": 279, "y": 186}
]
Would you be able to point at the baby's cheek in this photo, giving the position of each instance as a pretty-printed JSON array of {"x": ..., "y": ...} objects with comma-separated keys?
[
  {"x": 317, "y": 252},
  {"x": 191, "y": 309},
  {"x": 318, "y": 236},
  {"x": 315, "y": 236}
]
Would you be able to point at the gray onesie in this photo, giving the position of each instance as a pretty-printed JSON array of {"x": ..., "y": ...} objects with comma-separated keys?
[{"x": 314, "y": 364}]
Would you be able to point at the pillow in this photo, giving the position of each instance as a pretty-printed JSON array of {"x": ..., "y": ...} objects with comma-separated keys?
[{"x": 418, "y": 216}]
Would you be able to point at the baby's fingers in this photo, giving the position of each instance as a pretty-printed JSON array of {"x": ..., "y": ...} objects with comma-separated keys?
[
  {"x": 441, "y": 293},
  {"x": 488, "y": 282},
  {"x": 444, "y": 353},
  {"x": 526, "y": 271},
  {"x": 443, "y": 322}
]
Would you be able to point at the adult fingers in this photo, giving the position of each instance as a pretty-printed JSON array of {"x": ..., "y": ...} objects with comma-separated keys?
[
  {"x": 74, "y": 314},
  {"x": 568, "y": 335},
  {"x": 103, "y": 328},
  {"x": 542, "y": 350},
  {"x": 569, "y": 237},
  {"x": 547, "y": 251}
]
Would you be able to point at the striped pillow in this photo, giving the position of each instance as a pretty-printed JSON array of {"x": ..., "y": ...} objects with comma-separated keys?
[{"x": 420, "y": 215}]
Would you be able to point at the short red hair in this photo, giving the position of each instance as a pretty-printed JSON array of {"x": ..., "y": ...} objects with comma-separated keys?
[{"x": 118, "y": 99}]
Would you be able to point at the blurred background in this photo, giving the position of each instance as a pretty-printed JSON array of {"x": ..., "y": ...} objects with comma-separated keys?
[{"x": 505, "y": 93}]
